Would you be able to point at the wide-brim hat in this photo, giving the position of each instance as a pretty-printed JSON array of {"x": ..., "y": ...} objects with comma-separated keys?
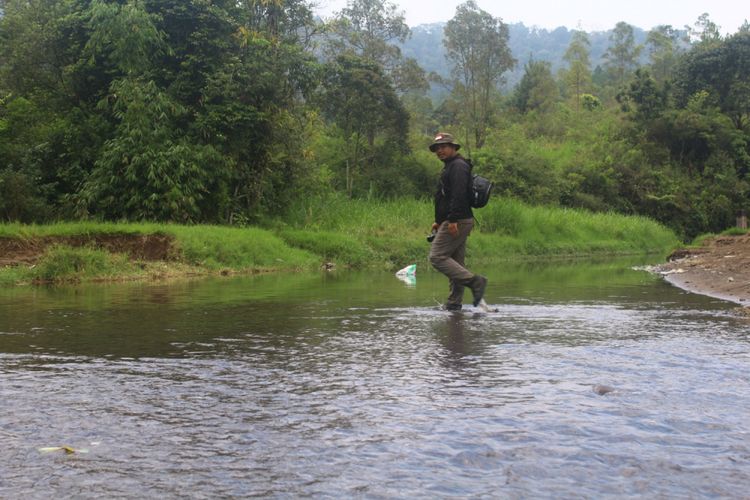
[{"x": 443, "y": 138}]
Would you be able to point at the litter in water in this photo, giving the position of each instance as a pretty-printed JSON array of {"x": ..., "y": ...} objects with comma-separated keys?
[
  {"x": 67, "y": 449},
  {"x": 408, "y": 275},
  {"x": 409, "y": 270}
]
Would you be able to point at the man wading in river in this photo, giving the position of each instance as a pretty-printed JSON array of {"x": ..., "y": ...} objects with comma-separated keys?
[{"x": 453, "y": 223}]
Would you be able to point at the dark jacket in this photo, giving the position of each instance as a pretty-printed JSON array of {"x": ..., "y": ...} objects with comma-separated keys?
[{"x": 453, "y": 193}]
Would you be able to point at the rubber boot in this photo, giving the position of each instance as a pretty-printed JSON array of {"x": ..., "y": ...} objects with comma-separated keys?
[{"x": 477, "y": 284}]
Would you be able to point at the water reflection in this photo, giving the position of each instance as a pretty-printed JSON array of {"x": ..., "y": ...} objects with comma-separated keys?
[{"x": 454, "y": 339}]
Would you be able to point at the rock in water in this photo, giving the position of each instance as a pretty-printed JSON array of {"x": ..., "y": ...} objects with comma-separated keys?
[{"x": 603, "y": 389}]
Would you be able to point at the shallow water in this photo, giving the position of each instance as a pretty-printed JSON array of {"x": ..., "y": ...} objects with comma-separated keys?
[{"x": 356, "y": 384}]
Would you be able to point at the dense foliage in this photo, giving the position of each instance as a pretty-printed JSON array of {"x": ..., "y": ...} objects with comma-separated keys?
[{"x": 227, "y": 111}]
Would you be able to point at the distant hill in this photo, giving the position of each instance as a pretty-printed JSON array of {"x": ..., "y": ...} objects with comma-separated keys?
[{"x": 426, "y": 46}]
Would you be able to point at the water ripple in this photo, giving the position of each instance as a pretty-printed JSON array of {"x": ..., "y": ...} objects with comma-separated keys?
[{"x": 393, "y": 402}]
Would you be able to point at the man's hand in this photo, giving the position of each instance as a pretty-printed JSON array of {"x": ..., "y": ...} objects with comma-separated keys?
[
  {"x": 453, "y": 228},
  {"x": 435, "y": 226}
]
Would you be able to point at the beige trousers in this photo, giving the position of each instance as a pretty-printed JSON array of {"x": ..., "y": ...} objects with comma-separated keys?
[{"x": 447, "y": 255}]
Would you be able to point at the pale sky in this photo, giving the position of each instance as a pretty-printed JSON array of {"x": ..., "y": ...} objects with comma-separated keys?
[{"x": 590, "y": 15}]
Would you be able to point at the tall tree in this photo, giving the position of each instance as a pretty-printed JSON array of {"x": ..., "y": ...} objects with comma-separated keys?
[
  {"x": 662, "y": 43},
  {"x": 537, "y": 90},
  {"x": 622, "y": 54},
  {"x": 149, "y": 169},
  {"x": 372, "y": 30},
  {"x": 256, "y": 102},
  {"x": 643, "y": 98},
  {"x": 705, "y": 32},
  {"x": 369, "y": 27},
  {"x": 477, "y": 45},
  {"x": 578, "y": 74},
  {"x": 364, "y": 106},
  {"x": 723, "y": 71},
  {"x": 45, "y": 71}
]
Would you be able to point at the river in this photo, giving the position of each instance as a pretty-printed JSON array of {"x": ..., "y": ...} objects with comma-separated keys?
[{"x": 585, "y": 380}]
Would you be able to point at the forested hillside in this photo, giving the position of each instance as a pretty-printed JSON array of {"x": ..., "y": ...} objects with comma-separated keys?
[
  {"x": 526, "y": 43},
  {"x": 232, "y": 112}
]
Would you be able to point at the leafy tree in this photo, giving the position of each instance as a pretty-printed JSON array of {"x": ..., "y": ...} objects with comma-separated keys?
[
  {"x": 195, "y": 100},
  {"x": 372, "y": 30},
  {"x": 368, "y": 28},
  {"x": 724, "y": 72},
  {"x": 700, "y": 131},
  {"x": 23, "y": 193},
  {"x": 662, "y": 43},
  {"x": 149, "y": 169},
  {"x": 705, "y": 32},
  {"x": 43, "y": 69},
  {"x": 590, "y": 102},
  {"x": 578, "y": 74},
  {"x": 40, "y": 50},
  {"x": 359, "y": 99},
  {"x": 477, "y": 44},
  {"x": 252, "y": 106},
  {"x": 159, "y": 175},
  {"x": 643, "y": 98},
  {"x": 622, "y": 54},
  {"x": 537, "y": 90}
]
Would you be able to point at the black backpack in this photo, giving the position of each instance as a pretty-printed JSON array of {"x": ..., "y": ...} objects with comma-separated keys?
[{"x": 481, "y": 188}]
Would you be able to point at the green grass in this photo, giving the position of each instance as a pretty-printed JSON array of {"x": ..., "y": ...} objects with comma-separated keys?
[
  {"x": 63, "y": 263},
  {"x": 197, "y": 250},
  {"x": 349, "y": 233},
  {"x": 506, "y": 229},
  {"x": 24, "y": 231},
  {"x": 330, "y": 246},
  {"x": 699, "y": 240},
  {"x": 735, "y": 231},
  {"x": 255, "y": 249}
]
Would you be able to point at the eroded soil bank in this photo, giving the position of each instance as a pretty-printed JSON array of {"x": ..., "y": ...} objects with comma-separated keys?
[{"x": 151, "y": 247}]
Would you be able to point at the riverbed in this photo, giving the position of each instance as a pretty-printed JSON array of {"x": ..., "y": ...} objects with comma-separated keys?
[{"x": 585, "y": 380}]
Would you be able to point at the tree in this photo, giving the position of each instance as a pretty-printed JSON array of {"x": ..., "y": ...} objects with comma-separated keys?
[
  {"x": 253, "y": 104},
  {"x": 194, "y": 109},
  {"x": 370, "y": 29},
  {"x": 705, "y": 32},
  {"x": 590, "y": 102},
  {"x": 149, "y": 169},
  {"x": 477, "y": 44},
  {"x": 44, "y": 69},
  {"x": 663, "y": 51},
  {"x": 367, "y": 28},
  {"x": 359, "y": 99},
  {"x": 578, "y": 75},
  {"x": 723, "y": 71},
  {"x": 643, "y": 98},
  {"x": 537, "y": 90},
  {"x": 714, "y": 154},
  {"x": 622, "y": 54}
]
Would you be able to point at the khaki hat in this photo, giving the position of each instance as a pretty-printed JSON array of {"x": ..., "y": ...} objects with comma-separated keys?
[{"x": 443, "y": 138}]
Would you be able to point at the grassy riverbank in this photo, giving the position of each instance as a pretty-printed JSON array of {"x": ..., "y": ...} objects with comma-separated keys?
[{"x": 345, "y": 233}]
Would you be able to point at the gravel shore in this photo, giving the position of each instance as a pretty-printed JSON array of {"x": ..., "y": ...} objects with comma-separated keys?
[{"x": 719, "y": 268}]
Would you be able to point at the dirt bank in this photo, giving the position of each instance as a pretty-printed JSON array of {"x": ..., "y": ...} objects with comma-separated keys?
[
  {"x": 719, "y": 268},
  {"x": 152, "y": 247}
]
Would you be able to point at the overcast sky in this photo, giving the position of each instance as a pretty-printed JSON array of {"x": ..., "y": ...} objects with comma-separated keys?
[{"x": 590, "y": 15}]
